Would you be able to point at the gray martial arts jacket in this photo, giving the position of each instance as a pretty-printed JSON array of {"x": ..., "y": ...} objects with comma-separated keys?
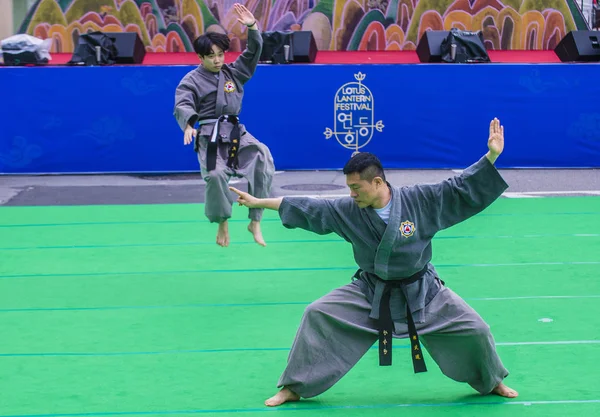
[
  {"x": 403, "y": 246},
  {"x": 203, "y": 95}
]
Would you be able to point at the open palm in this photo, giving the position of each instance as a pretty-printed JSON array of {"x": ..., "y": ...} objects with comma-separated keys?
[
  {"x": 496, "y": 140},
  {"x": 245, "y": 16}
]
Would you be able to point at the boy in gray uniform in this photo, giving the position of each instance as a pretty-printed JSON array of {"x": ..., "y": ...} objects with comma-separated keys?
[
  {"x": 396, "y": 292},
  {"x": 211, "y": 95}
]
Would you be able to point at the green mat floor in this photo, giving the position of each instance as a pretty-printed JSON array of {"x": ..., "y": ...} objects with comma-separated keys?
[{"x": 134, "y": 310}]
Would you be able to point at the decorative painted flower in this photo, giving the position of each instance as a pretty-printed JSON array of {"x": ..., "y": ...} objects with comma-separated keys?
[{"x": 172, "y": 25}]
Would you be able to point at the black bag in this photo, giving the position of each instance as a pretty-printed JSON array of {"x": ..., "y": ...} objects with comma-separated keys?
[
  {"x": 468, "y": 47},
  {"x": 22, "y": 49},
  {"x": 86, "y": 52},
  {"x": 23, "y": 58},
  {"x": 274, "y": 47}
]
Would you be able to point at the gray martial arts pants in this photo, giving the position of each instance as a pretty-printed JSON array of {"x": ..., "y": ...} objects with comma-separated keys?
[
  {"x": 255, "y": 164},
  {"x": 336, "y": 331}
]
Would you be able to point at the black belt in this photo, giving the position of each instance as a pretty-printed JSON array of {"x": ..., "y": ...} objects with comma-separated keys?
[
  {"x": 386, "y": 324},
  {"x": 234, "y": 147}
]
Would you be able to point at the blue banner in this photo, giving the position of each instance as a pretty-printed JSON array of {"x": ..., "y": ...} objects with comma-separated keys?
[{"x": 120, "y": 119}]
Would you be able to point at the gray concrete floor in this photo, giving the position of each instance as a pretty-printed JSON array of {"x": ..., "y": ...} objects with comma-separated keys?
[{"x": 189, "y": 188}]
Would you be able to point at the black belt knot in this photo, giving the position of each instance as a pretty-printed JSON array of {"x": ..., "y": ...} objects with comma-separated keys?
[
  {"x": 234, "y": 144},
  {"x": 386, "y": 323}
]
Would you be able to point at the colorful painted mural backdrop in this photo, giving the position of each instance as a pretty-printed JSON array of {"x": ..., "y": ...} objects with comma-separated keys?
[{"x": 172, "y": 25}]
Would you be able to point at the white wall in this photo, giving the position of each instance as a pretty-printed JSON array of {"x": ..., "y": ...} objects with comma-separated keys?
[{"x": 6, "y": 19}]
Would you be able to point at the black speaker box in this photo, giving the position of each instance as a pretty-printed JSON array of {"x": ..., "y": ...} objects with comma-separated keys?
[
  {"x": 429, "y": 46},
  {"x": 304, "y": 46},
  {"x": 130, "y": 49},
  {"x": 579, "y": 45}
]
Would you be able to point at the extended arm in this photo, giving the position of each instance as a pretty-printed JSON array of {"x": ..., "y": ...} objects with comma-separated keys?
[
  {"x": 245, "y": 199},
  {"x": 315, "y": 215},
  {"x": 245, "y": 65},
  {"x": 458, "y": 198}
]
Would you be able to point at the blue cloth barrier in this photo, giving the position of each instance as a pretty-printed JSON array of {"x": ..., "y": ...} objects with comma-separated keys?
[{"x": 120, "y": 119}]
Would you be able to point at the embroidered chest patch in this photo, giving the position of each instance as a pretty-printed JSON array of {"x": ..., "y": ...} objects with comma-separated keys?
[
  {"x": 229, "y": 87},
  {"x": 407, "y": 228}
]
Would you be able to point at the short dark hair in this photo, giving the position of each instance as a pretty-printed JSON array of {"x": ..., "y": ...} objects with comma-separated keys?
[
  {"x": 204, "y": 43},
  {"x": 367, "y": 165}
]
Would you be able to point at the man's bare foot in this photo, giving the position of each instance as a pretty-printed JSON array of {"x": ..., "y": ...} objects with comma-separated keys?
[
  {"x": 223, "y": 234},
  {"x": 283, "y": 396},
  {"x": 254, "y": 228},
  {"x": 505, "y": 391}
]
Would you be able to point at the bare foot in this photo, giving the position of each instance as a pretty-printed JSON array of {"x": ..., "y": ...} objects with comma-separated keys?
[
  {"x": 223, "y": 234},
  {"x": 283, "y": 396},
  {"x": 254, "y": 228},
  {"x": 505, "y": 391}
]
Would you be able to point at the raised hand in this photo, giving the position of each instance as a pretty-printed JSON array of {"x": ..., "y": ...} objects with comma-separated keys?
[
  {"x": 245, "y": 16},
  {"x": 496, "y": 139}
]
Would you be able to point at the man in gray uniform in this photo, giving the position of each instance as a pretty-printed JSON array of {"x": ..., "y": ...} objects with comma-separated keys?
[
  {"x": 396, "y": 292},
  {"x": 211, "y": 95}
]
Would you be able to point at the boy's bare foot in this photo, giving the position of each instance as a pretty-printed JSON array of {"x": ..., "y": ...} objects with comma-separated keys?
[
  {"x": 223, "y": 234},
  {"x": 254, "y": 228}
]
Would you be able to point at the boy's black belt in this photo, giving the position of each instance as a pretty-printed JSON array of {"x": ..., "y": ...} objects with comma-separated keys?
[{"x": 213, "y": 143}]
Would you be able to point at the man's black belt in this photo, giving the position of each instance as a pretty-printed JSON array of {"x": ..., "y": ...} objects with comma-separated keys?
[
  {"x": 386, "y": 324},
  {"x": 213, "y": 143}
]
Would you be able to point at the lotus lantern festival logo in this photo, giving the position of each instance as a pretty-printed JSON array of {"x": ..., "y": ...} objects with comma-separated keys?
[{"x": 354, "y": 115}]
